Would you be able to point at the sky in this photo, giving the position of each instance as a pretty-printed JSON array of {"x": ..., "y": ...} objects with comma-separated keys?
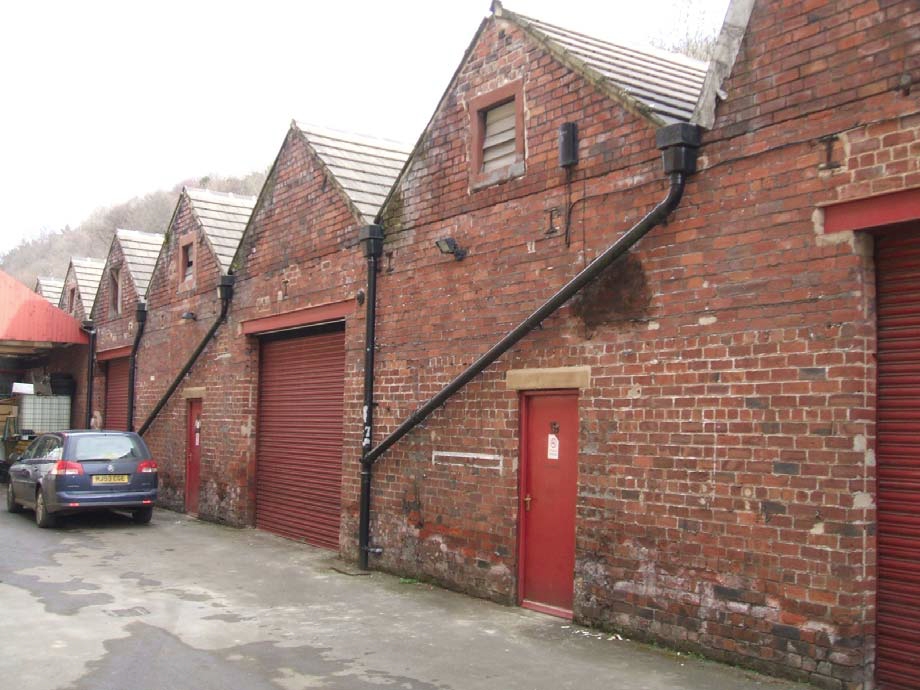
[{"x": 104, "y": 101}]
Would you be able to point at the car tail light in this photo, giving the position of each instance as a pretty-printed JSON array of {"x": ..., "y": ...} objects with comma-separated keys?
[
  {"x": 147, "y": 466},
  {"x": 66, "y": 467}
]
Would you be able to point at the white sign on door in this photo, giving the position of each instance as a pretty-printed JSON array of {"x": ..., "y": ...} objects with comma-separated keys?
[{"x": 552, "y": 447}]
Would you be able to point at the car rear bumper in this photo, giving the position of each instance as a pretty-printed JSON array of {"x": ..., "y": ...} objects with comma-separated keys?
[{"x": 72, "y": 501}]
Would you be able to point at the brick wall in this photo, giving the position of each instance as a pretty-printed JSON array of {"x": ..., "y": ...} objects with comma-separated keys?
[
  {"x": 113, "y": 330},
  {"x": 168, "y": 342},
  {"x": 726, "y": 476},
  {"x": 459, "y": 526},
  {"x": 70, "y": 283},
  {"x": 300, "y": 251}
]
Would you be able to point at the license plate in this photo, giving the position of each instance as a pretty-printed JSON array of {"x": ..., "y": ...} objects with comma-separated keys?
[{"x": 110, "y": 479}]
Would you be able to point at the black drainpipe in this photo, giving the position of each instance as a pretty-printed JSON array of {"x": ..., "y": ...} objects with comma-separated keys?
[
  {"x": 225, "y": 290},
  {"x": 141, "y": 319},
  {"x": 90, "y": 329},
  {"x": 372, "y": 238},
  {"x": 678, "y": 143}
]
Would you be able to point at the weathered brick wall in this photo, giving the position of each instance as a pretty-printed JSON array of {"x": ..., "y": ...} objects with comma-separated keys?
[
  {"x": 70, "y": 283},
  {"x": 167, "y": 344},
  {"x": 300, "y": 251},
  {"x": 726, "y": 477},
  {"x": 455, "y": 525},
  {"x": 113, "y": 330}
]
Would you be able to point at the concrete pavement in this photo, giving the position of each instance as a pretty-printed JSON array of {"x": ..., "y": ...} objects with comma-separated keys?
[{"x": 104, "y": 604}]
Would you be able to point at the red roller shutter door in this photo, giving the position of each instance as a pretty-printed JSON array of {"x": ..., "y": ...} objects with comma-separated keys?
[
  {"x": 898, "y": 620},
  {"x": 299, "y": 443},
  {"x": 116, "y": 394}
]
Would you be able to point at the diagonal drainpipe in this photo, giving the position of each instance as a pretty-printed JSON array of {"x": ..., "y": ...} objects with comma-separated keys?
[
  {"x": 678, "y": 143},
  {"x": 225, "y": 291}
]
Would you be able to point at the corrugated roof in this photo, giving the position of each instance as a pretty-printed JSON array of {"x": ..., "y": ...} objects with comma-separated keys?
[
  {"x": 29, "y": 325},
  {"x": 223, "y": 217},
  {"x": 89, "y": 273},
  {"x": 140, "y": 250},
  {"x": 49, "y": 288},
  {"x": 364, "y": 167},
  {"x": 667, "y": 84}
]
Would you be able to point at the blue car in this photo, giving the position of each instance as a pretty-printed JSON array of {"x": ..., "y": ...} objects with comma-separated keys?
[{"x": 68, "y": 472}]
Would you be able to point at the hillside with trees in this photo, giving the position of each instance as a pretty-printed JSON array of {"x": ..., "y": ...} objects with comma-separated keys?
[{"x": 49, "y": 254}]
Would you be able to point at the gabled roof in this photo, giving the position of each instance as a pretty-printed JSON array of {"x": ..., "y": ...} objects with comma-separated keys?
[
  {"x": 223, "y": 218},
  {"x": 659, "y": 86},
  {"x": 88, "y": 273},
  {"x": 365, "y": 168},
  {"x": 49, "y": 288},
  {"x": 140, "y": 250},
  {"x": 665, "y": 86},
  {"x": 28, "y": 324}
]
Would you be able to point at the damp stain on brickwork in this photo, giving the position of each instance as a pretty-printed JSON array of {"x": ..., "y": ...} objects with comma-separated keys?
[{"x": 620, "y": 293}]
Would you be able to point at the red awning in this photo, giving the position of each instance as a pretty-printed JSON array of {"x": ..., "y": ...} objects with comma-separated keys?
[{"x": 29, "y": 324}]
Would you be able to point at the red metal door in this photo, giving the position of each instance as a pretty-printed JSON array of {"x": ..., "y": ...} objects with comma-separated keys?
[
  {"x": 898, "y": 459},
  {"x": 193, "y": 456},
  {"x": 299, "y": 441},
  {"x": 549, "y": 479},
  {"x": 116, "y": 394}
]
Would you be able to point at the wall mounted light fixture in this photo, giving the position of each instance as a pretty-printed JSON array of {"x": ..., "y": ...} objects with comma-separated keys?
[
  {"x": 190, "y": 316},
  {"x": 448, "y": 245}
]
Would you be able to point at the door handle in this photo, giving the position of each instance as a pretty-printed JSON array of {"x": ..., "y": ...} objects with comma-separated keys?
[{"x": 527, "y": 500}]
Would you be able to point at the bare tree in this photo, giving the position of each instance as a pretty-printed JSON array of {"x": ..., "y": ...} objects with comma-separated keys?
[
  {"x": 696, "y": 35},
  {"x": 49, "y": 253}
]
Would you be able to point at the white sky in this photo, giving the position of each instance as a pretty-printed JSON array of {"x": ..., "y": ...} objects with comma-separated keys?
[{"x": 104, "y": 101}]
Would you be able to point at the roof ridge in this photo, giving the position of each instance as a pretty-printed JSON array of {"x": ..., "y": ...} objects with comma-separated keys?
[
  {"x": 637, "y": 78},
  {"x": 87, "y": 259},
  {"x": 245, "y": 205},
  {"x": 226, "y": 195},
  {"x": 644, "y": 48},
  {"x": 351, "y": 137},
  {"x": 145, "y": 233},
  {"x": 352, "y": 160}
]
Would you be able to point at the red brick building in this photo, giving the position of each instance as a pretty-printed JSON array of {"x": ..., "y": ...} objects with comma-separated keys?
[
  {"x": 122, "y": 286},
  {"x": 712, "y": 444},
  {"x": 80, "y": 284},
  {"x": 724, "y": 420},
  {"x": 275, "y": 389},
  {"x": 186, "y": 311}
]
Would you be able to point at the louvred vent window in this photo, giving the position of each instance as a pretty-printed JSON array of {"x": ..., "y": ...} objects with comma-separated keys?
[{"x": 500, "y": 143}]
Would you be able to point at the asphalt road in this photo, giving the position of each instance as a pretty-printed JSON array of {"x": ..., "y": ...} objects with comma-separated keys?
[{"x": 103, "y": 604}]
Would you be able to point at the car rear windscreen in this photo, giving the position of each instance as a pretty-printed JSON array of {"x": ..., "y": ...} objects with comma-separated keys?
[{"x": 107, "y": 448}]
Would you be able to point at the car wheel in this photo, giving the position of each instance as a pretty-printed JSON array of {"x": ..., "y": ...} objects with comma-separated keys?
[
  {"x": 142, "y": 515},
  {"x": 11, "y": 504},
  {"x": 42, "y": 517}
]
